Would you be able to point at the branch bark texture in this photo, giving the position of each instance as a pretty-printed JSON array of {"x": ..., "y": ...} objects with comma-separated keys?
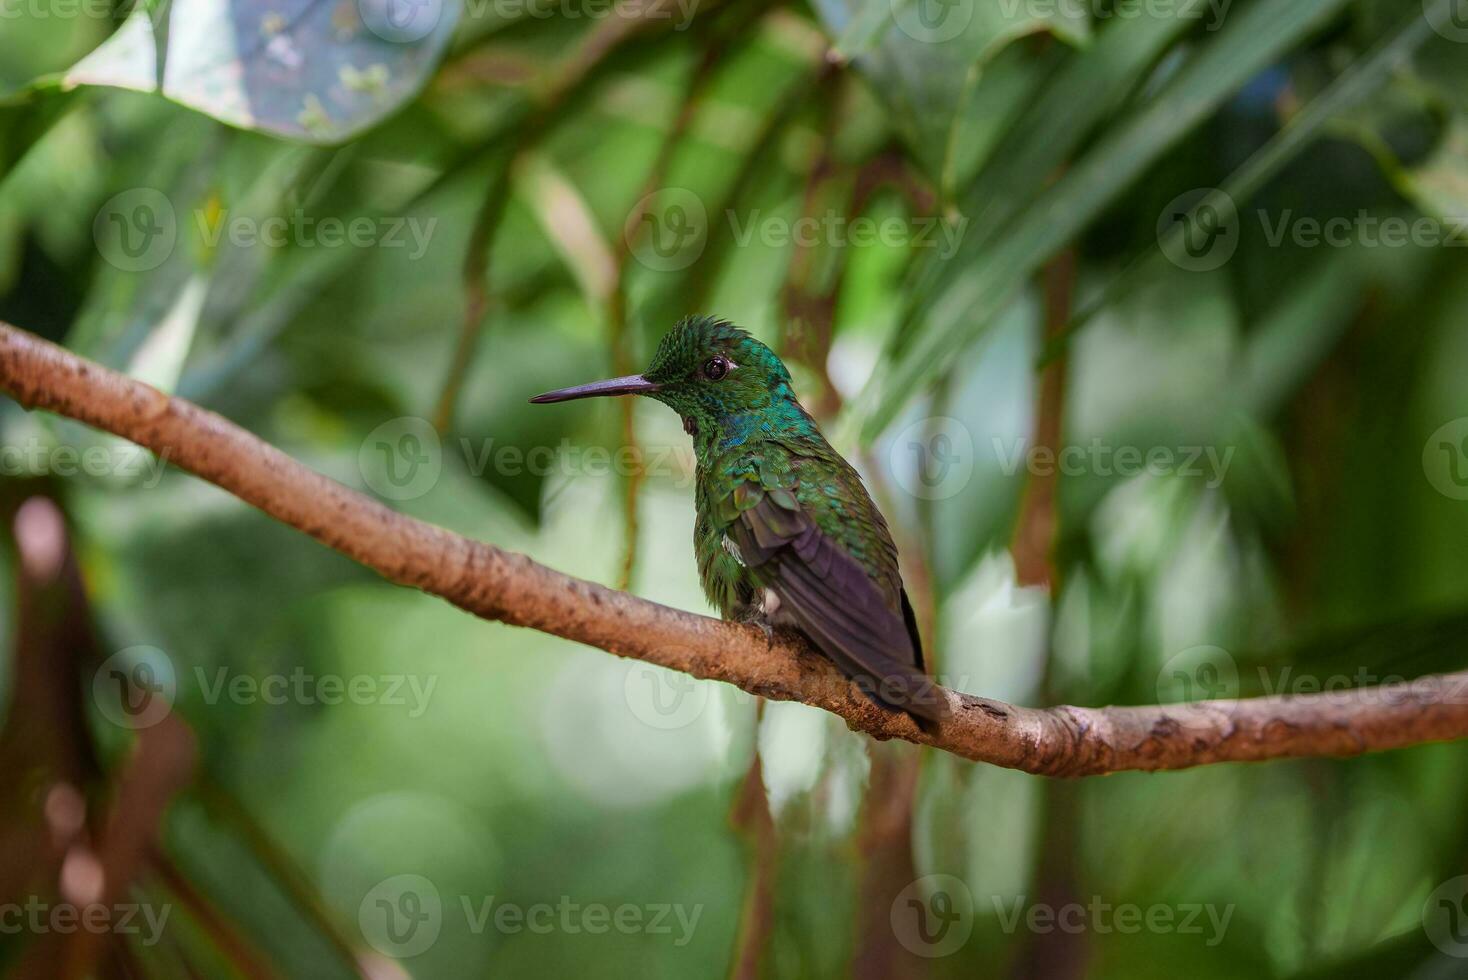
[{"x": 510, "y": 588}]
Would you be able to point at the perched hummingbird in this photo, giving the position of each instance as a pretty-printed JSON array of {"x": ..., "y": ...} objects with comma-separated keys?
[{"x": 786, "y": 535}]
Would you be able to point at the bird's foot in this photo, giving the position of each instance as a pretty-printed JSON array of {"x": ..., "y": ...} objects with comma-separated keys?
[{"x": 754, "y": 616}]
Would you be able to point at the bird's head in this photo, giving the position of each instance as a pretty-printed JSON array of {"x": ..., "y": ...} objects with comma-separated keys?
[{"x": 711, "y": 373}]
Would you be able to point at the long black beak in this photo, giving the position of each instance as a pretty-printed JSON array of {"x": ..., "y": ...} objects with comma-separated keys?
[{"x": 632, "y": 384}]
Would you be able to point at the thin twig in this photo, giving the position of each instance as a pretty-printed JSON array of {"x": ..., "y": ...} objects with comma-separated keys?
[
  {"x": 536, "y": 118},
  {"x": 476, "y": 292},
  {"x": 617, "y": 316},
  {"x": 223, "y": 805},
  {"x": 1037, "y": 529},
  {"x": 223, "y": 933},
  {"x": 1036, "y": 559}
]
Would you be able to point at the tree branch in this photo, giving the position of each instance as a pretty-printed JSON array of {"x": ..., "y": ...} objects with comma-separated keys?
[{"x": 500, "y": 585}]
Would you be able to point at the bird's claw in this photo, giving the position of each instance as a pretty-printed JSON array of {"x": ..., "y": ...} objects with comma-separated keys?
[
  {"x": 769, "y": 632},
  {"x": 754, "y": 618}
]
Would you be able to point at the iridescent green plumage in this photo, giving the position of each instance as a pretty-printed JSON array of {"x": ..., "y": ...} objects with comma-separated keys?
[{"x": 786, "y": 533}]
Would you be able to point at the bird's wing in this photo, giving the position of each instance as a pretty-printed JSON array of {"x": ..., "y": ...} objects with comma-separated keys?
[{"x": 830, "y": 596}]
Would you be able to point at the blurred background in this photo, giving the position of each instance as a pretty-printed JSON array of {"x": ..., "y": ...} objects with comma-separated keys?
[{"x": 1146, "y": 322}]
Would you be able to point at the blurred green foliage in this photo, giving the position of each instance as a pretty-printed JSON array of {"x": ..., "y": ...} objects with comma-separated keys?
[{"x": 177, "y": 201}]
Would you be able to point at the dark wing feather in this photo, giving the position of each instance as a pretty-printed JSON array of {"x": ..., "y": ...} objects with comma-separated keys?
[
  {"x": 909, "y": 619},
  {"x": 834, "y": 601}
]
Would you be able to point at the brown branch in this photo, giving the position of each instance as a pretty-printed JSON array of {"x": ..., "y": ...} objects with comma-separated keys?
[{"x": 500, "y": 585}]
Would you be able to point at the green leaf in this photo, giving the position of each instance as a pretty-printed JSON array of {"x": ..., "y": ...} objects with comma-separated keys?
[
  {"x": 35, "y": 43},
  {"x": 928, "y": 70},
  {"x": 1440, "y": 185},
  {"x": 304, "y": 69},
  {"x": 1330, "y": 110},
  {"x": 980, "y": 279},
  {"x": 1058, "y": 122}
]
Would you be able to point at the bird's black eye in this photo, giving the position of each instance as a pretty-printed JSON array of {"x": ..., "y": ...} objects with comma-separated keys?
[{"x": 716, "y": 368}]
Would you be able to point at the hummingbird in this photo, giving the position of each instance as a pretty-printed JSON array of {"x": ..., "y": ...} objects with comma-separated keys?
[{"x": 785, "y": 533}]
